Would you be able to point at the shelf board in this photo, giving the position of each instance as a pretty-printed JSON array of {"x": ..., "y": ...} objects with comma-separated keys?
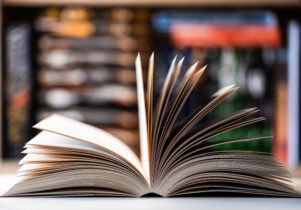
[{"x": 154, "y": 3}]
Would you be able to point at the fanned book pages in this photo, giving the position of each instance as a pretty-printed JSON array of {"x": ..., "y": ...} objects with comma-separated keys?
[{"x": 70, "y": 158}]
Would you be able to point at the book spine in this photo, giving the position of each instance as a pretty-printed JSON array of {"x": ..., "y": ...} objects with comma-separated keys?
[
  {"x": 163, "y": 19},
  {"x": 71, "y": 58},
  {"x": 101, "y": 42},
  {"x": 293, "y": 93},
  {"x": 87, "y": 28},
  {"x": 124, "y": 96},
  {"x": 281, "y": 113},
  {"x": 18, "y": 89},
  {"x": 186, "y": 34},
  {"x": 85, "y": 76}
]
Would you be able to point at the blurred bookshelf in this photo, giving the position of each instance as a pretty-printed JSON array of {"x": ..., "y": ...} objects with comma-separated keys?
[{"x": 73, "y": 53}]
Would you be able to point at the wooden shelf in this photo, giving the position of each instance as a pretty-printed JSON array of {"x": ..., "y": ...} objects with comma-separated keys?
[{"x": 156, "y": 3}]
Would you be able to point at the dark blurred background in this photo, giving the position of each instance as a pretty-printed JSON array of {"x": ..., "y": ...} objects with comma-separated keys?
[{"x": 78, "y": 61}]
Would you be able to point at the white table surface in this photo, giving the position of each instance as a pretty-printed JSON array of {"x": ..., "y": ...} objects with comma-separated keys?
[{"x": 203, "y": 203}]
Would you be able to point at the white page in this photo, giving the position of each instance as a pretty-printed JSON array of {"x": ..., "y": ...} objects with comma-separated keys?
[
  {"x": 144, "y": 150},
  {"x": 83, "y": 132},
  {"x": 46, "y": 138}
]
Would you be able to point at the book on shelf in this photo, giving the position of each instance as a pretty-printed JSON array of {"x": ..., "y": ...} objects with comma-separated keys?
[
  {"x": 163, "y": 19},
  {"x": 287, "y": 117},
  {"x": 209, "y": 35},
  {"x": 67, "y": 58},
  {"x": 94, "y": 42},
  {"x": 85, "y": 76},
  {"x": 293, "y": 135},
  {"x": 102, "y": 95},
  {"x": 73, "y": 22},
  {"x": 69, "y": 158},
  {"x": 18, "y": 88},
  {"x": 219, "y": 28},
  {"x": 279, "y": 147}
]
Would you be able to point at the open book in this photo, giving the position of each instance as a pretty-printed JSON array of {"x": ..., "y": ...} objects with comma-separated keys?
[{"x": 69, "y": 158}]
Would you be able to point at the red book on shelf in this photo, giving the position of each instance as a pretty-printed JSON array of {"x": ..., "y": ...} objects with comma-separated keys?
[
  {"x": 185, "y": 34},
  {"x": 280, "y": 139}
]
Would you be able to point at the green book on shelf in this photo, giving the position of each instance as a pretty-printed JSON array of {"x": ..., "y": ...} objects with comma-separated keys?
[{"x": 69, "y": 158}]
